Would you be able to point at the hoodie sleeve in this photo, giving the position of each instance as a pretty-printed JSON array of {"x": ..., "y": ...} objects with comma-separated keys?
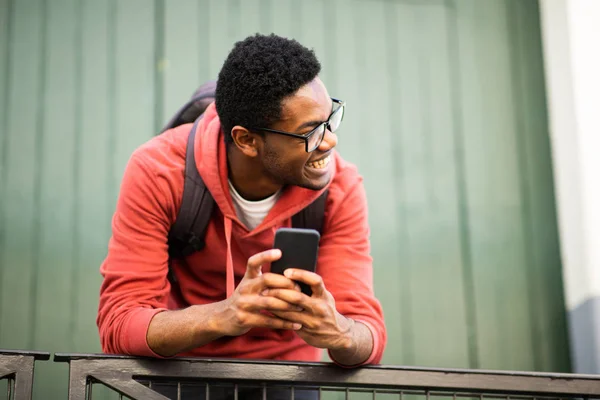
[
  {"x": 135, "y": 286},
  {"x": 345, "y": 263}
]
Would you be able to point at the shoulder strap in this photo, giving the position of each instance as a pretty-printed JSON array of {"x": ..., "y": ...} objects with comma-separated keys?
[
  {"x": 312, "y": 216},
  {"x": 187, "y": 233}
]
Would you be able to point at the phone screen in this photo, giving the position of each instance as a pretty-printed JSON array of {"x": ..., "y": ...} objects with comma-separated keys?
[{"x": 299, "y": 249}]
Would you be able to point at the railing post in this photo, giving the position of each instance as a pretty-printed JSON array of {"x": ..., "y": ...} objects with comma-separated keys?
[
  {"x": 78, "y": 381},
  {"x": 19, "y": 366},
  {"x": 24, "y": 378}
]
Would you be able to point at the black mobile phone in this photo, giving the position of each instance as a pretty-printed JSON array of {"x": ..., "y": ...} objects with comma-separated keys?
[{"x": 299, "y": 249}]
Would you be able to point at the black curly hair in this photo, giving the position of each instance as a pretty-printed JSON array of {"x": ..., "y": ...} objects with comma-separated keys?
[{"x": 259, "y": 72}]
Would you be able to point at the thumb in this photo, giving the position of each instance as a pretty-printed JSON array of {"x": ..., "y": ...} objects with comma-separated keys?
[{"x": 255, "y": 263}]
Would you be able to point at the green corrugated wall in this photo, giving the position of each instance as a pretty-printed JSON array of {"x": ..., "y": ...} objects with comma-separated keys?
[{"x": 446, "y": 120}]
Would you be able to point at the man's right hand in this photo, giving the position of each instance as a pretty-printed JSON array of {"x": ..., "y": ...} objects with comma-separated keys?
[
  {"x": 244, "y": 310},
  {"x": 173, "y": 332}
]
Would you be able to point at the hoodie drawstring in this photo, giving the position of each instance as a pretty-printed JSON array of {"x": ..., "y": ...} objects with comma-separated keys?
[{"x": 230, "y": 280}]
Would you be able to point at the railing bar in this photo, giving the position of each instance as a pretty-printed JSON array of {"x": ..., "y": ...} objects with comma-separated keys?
[
  {"x": 149, "y": 384},
  {"x": 235, "y": 392},
  {"x": 374, "y": 394},
  {"x": 347, "y": 396},
  {"x": 293, "y": 393},
  {"x": 402, "y": 395},
  {"x": 264, "y": 391},
  {"x": 178, "y": 390},
  {"x": 90, "y": 385},
  {"x": 9, "y": 388},
  {"x": 207, "y": 391}
]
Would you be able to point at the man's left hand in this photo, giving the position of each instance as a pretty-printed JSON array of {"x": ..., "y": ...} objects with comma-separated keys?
[{"x": 322, "y": 325}]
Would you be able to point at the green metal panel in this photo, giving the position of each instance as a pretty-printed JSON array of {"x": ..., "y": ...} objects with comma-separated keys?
[{"x": 446, "y": 121}]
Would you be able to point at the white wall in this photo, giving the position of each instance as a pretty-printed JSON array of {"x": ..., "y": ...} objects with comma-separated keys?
[{"x": 571, "y": 40}]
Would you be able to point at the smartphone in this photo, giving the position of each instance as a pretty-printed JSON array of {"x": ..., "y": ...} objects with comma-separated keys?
[{"x": 299, "y": 249}]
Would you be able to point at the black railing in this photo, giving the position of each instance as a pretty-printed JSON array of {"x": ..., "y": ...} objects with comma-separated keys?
[
  {"x": 17, "y": 368},
  {"x": 142, "y": 378}
]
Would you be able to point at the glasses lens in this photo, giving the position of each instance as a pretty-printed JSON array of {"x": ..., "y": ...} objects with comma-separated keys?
[
  {"x": 336, "y": 119},
  {"x": 315, "y": 140}
]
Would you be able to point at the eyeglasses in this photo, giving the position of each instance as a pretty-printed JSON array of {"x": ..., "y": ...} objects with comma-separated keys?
[{"x": 313, "y": 139}]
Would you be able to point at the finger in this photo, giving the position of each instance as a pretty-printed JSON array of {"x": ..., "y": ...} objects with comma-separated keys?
[
  {"x": 278, "y": 281},
  {"x": 265, "y": 321},
  {"x": 292, "y": 316},
  {"x": 256, "y": 261},
  {"x": 289, "y": 296},
  {"x": 269, "y": 303},
  {"x": 310, "y": 278}
]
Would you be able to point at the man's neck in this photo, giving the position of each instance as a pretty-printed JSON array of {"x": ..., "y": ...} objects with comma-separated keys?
[{"x": 247, "y": 177}]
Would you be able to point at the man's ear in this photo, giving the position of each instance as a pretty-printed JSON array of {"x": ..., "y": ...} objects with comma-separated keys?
[{"x": 246, "y": 141}]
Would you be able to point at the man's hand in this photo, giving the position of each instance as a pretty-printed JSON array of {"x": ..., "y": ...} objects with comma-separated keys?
[
  {"x": 245, "y": 308},
  {"x": 322, "y": 325},
  {"x": 173, "y": 332},
  {"x": 349, "y": 342}
]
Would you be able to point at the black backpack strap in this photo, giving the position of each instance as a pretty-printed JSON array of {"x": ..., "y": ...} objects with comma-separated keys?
[
  {"x": 187, "y": 233},
  {"x": 312, "y": 216}
]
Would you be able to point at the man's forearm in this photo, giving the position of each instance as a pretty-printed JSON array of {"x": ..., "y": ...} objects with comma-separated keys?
[
  {"x": 360, "y": 346},
  {"x": 173, "y": 332}
]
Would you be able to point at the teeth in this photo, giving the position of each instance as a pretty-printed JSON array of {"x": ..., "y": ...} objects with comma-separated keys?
[{"x": 321, "y": 163}]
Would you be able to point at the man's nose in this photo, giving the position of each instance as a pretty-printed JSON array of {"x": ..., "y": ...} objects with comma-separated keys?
[{"x": 328, "y": 142}]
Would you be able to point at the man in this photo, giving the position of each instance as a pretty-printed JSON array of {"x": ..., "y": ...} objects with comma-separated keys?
[{"x": 265, "y": 150}]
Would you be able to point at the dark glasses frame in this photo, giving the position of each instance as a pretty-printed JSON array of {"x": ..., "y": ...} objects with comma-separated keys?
[{"x": 307, "y": 136}]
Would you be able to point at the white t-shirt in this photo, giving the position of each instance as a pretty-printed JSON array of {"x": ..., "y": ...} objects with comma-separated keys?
[{"x": 252, "y": 213}]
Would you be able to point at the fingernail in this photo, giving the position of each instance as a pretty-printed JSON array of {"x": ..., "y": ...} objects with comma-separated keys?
[
  {"x": 289, "y": 273},
  {"x": 275, "y": 253},
  {"x": 297, "y": 327},
  {"x": 265, "y": 292}
]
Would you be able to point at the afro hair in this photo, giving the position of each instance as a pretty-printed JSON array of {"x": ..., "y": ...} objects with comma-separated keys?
[{"x": 260, "y": 72}]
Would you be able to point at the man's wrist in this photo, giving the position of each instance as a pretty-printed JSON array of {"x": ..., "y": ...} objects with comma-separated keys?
[
  {"x": 213, "y": 324},
  {"x": 346, "y": 334}
]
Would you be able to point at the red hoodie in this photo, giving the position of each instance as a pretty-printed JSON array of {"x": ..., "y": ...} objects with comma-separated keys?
[{"x": 135, "y": 286}]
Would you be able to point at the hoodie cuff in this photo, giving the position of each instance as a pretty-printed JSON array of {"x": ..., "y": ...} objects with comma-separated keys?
[
  {"x": 374, "y": 350},
  {"x": 135, "y": 332}
]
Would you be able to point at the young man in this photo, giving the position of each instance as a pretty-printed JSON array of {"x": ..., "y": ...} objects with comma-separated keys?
[{"x": 228, "y": 304}]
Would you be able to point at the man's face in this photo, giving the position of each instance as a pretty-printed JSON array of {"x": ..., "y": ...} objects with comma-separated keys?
[{"x": 285, "y": 158}]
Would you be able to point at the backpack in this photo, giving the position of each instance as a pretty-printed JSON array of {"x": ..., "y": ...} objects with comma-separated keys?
[{"x": 186, "y": 235}]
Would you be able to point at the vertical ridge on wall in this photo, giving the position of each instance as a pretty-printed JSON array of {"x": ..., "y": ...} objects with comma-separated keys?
[
  {"x": 18, "y": 191},
  {"x": 545, "y": 270},
  {"x": 400, "y": 321},
  {"x": 56, "y": 161},
  {"x": 503, "y": 316},
  {"x": 160, "y": 64},
  {"x": 135, "y": 72},
  {"x": 94, "y": 164},
  {"x": 204, "y": 37},
  {"x": 76, "y": 174},
  {"x": 184, "y": 57},
  {"x": 515, "y": 33},
  {"x": 38, "y": 159},
  {"x": 6, "y": 21},
  {"x": 18, "y": 203},
  {"x": 432, "y": 219},
  {"x": 461, "y": 196},
  {"x": 113, "y": 108}
]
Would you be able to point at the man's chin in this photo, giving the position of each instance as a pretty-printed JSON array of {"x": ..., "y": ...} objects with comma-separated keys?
[{"x": 314, "y": 184}]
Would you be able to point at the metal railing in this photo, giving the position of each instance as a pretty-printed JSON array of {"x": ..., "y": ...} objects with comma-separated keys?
[
  {"x": 17, "y": 368},
  {"x": 144, "y": 378}
]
